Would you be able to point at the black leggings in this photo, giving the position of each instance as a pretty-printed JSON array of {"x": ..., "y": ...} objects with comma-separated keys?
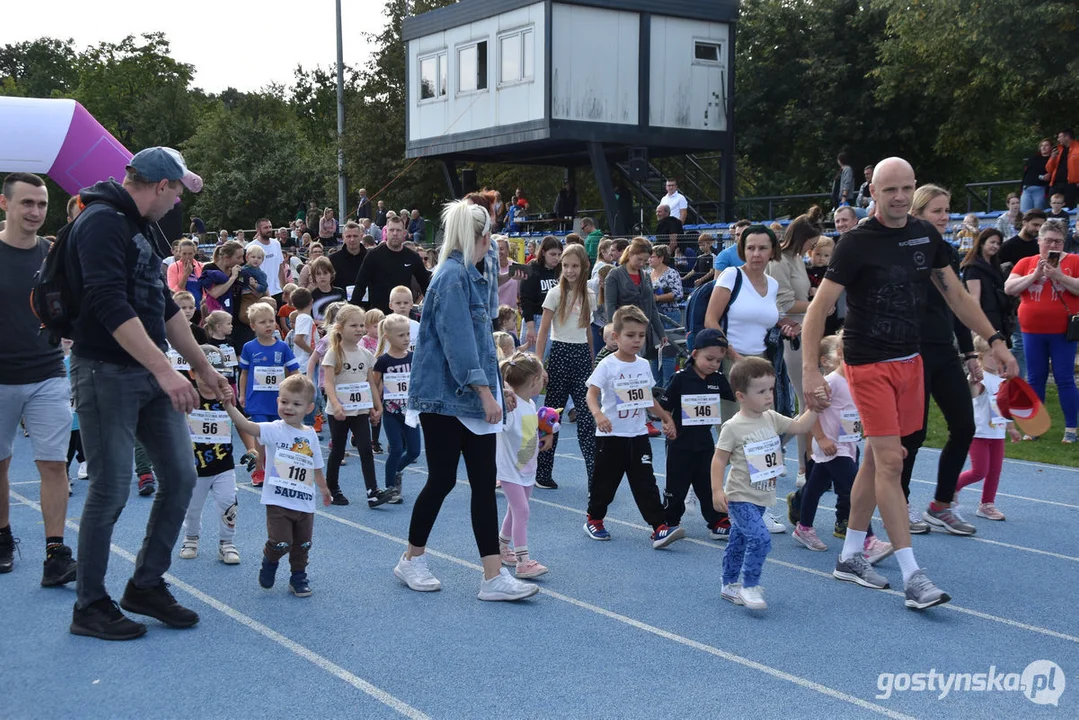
[
  {"x": 946, "y": 382},
  {"x": 446, "y": 440},
  {"x": 361, "y": 436}
]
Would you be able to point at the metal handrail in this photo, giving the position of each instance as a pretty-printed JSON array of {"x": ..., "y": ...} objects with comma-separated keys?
[
  {"x": 773, "y": 200},
  {"x": 972, "y": 195}
]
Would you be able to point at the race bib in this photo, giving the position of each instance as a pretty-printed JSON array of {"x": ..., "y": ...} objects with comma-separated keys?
[
  {"x": 268, "y": 377},
  {"x": 292, "y": 468},
  {"x": 633, "y": 393},
  {"x": 228, "y": 355},
  {"x": 852, "y": 427},
  {"x": 765, "y": 461},
  {"x": 395, "y": 386},
  {"x": 177, "y": 360},
  {"x": 210, "y": 427},
  {"x": 354, "y": 396},
  {"x": 702, "y": 409}
]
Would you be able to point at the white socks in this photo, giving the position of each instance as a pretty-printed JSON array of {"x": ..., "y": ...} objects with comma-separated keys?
[
  {"x": 853, "y": 544},
  {"x": 907, "y": 563}
]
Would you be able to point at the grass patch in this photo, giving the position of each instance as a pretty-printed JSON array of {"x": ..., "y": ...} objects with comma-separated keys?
[{"x": 1048, "y": 449}]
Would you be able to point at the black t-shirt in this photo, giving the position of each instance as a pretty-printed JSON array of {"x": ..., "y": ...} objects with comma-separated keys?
[
  {"x": 387, "y": 363},
  {"x": 1033, "y": 170},
  {"x": 688, "y": 382},
  {"x": 886, "y": 272},
  {"x": 213, "y": 459},
  {"x": 383, "y": 270},
  {"x": 1016, "y": 248},
  {"x": 346, "y": 266},
  {"x": 321, "y": 300},
  {"x": 26, "y": 356},
  {"x": 668, "y": 226}
]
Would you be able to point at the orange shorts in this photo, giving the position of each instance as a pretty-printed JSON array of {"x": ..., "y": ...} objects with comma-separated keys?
[{"x": 890, "y": 396}]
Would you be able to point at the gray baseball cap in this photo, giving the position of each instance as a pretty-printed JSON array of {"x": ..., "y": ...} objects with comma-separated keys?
[{"x": 164, "y": 163}]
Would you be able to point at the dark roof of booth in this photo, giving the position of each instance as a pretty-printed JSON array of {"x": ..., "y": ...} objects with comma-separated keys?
[{"x": 468, "y": 11}]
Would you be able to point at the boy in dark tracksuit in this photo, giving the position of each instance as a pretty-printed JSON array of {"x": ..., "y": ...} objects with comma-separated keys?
[{"x": 693, "y": 400}]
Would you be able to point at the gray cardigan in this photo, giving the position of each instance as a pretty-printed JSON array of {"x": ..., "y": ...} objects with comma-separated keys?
[{"x": 619, "y": 290}]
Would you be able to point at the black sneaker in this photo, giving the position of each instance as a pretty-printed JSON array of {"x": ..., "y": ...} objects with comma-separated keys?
[
  {"x": 146, "y": 484},
  {"x": 8, "y": 546},
  {"x": 547, "y": 484},
  {"x": 248, "y": 460},
  {"x": 378, "y": 497},
  {"x": 103, "y": 620},
  {"x": 339, "y": 499},
  {"x": 59, "y": 567},
  {"x": 158, "y": 603}
]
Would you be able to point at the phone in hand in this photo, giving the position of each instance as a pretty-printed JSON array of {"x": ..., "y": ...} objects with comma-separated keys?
[
  {"x": 516, "y": 267},
  {"x": 1054, "y": 258}
]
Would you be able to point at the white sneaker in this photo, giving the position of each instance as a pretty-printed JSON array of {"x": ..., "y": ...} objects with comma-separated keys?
[
  {"x": 752, "y": 597},
  {"x": 506, "y": 587},
  {"x": 730, "y": 593},
  {"x": 190, "y": 549},
  {"x": 228, "y": 554},
  {"x": 800, "y": 481},
  {"x": 415, "y": 574},
  {"x": 83, "y": 471},
  {"x": 773, "y": 525}
]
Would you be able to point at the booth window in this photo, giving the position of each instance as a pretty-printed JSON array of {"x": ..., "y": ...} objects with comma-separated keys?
[
  {"x": 707, "y": 53},
  {"x": 517, "y": 59},
  {"x": 472, "y": 67},
  {"x": 433, "y": 70}
]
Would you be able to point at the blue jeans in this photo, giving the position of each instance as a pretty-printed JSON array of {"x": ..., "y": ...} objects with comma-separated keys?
[
  {"x": 404, "y": 447},
  {"x": 748, "y": 546},
  {"x": 1033, "y": 197},
  {"x": 116, "y": 404},
  {"x": 1040, "y": 349},
  {"x": 1018, "y": 353}
]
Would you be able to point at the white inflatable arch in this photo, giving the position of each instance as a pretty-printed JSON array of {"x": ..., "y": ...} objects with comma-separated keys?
[{"x": 58, "y": 138}]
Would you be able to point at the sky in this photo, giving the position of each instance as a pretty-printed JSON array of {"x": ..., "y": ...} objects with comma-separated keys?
[{"x": 245, "y": 44}]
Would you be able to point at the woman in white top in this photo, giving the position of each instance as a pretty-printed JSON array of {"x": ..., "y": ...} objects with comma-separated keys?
[
  {"x": 746, "y": 320},
  {"x": 789, "y": 270}
]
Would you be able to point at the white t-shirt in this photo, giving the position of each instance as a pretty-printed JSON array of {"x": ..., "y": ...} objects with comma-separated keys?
[
  {"x": 352, "y": 385},
  {"x": 305, "y": 325},
  {"x": 518, "y": 445},
  {"x": 988, "y": 422},
  {"x": 292, "y": 457},
  {"x": 270, "y": 266},
  {"x": 413, "y": 334},
  {"x": 623, "y": 384},
  {"x": 568, "y": 331},
  {"x": 677, "y": 203},
  {"x": 750, "y": 316}
]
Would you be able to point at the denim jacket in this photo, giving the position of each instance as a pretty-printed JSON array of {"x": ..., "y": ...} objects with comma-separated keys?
[{"x": 448, "y": 360}]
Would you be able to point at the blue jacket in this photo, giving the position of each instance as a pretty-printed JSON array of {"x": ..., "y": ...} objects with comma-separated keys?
[{"x": 448, "y": 358}]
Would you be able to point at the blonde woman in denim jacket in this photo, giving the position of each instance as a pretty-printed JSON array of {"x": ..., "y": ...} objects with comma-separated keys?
[{"x": 456, "y": 390}]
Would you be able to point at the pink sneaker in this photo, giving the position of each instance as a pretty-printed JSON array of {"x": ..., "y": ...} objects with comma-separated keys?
[
  {"x": 530, "y": 569},
  {"x": 808, "y": 537},
  {"x": 509, "y": 558},
  {"x": 989, "y": 512},
  {"x": 875, "y": 550}
]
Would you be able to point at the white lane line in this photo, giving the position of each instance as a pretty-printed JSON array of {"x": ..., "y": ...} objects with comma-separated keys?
[
  {"x": 1028, "y": 463},
  {"x": 659, "y": 632},
  {"x": 1014, "y": 497},
  {"x": 812, "y": 571},
  {"x": 291, "y": 645}
]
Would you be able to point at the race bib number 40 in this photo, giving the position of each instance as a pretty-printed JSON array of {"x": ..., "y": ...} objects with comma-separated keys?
[
  {"x": 354, "y": 396},
  {"x": 702, "y": 409},
  {"x": 268, "y": 378},
  {"x": 210, "y": 427},
  {"x": 851, "y": 423},
  {"x": 633, "y": 393},
  {"x": 765, "y": 461},
  {"x": 396, "y": 386}
]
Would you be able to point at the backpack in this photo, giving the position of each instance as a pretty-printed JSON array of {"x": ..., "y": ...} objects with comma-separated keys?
[
  {"x": 54, "y": 298},
  {"x": 697, "y": 308}
]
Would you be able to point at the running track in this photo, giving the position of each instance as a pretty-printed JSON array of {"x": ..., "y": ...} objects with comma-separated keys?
[{"x": 620, "y": 630}]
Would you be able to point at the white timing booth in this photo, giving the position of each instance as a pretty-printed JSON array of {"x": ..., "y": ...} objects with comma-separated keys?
[{"x": 570, "y": 82}]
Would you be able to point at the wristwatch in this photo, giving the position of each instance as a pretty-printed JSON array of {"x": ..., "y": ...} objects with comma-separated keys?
[{"x": 996, "y": 336}]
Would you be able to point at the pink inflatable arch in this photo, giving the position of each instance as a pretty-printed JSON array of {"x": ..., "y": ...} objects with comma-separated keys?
[{"x": 58, "y": 138}]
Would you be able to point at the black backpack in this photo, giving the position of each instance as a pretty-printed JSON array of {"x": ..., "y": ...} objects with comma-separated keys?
[{"x": 54, "y": 297}]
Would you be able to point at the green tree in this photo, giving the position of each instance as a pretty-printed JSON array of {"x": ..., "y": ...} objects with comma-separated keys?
[{"x": 41, "y": 68}]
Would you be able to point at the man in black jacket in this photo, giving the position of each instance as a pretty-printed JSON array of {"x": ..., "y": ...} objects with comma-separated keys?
[
  {"x": 125, "y": 386},
  {"x": 387, "y": 266}
]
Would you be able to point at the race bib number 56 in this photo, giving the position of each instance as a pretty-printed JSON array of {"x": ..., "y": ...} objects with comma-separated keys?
[{"x": 210, "y": 427}]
